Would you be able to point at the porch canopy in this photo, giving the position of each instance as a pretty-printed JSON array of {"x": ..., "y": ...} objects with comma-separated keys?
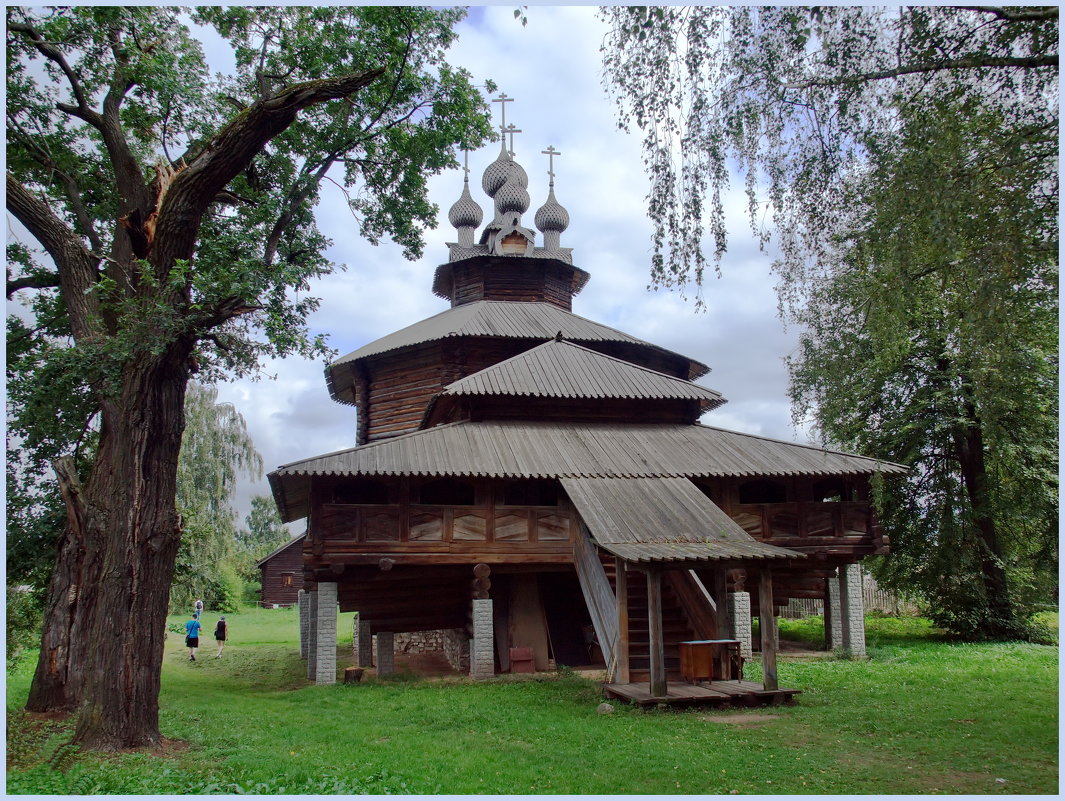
[{"x": 663, "y": 519}]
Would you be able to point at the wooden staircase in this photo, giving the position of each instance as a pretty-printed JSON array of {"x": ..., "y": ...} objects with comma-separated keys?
[{"x": 675, "y": 626}]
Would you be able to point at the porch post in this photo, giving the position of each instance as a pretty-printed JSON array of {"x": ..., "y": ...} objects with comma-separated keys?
[
  {"x": 657, "y": 643},
  {"x": 325, "y": 671},
  {"x": 621, "y": 592},
  {"x": 724, "y": 620},
  {"x": 853, "y": 609},
  {"x": 767, "y": 624}
]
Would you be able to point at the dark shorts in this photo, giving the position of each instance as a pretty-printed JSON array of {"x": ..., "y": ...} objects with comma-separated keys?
[
  {"x": 219, "y": 639},
  {"x": 192, "y": 642}
]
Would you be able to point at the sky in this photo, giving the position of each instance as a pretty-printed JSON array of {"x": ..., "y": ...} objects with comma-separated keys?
[{"x": 552, "y": 68}]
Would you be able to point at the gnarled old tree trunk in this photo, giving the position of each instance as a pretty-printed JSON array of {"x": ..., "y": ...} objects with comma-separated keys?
[
  {"x": 55, "y": 686},
  {"x": 105, "y": 622},
  {"x": 133, "y": 532}
]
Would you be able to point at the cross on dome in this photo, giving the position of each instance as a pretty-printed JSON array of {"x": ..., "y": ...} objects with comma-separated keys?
[
  {"x": 502, "y": 100},
  {"x": 510, "y": 129},
  {"x": 551, "y": 153}
]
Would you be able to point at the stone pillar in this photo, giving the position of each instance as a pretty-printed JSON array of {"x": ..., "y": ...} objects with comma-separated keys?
[
  {"x": 386, "y": 653},
  {"x": 312, "y": 634},
  {"x": 326, "y": 664},
  {"x": 302, "y": 596},
  {"x": 361, "y": 641},
  {"x": 833, "y": 615},
  {"x": 482, "y": 646},
  {"x": 852, "y": 609},
  {"x": 739, "y": 604}
]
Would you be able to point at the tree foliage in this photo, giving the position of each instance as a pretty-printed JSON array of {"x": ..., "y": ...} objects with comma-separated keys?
[
  {"x": 931, "y": 339},
  {"x": 790, "y": 97},
  {"x": 905, "y": 160},
  {"x": 263, "y": 530},
  {"x": 173, "y": 216},
  {"x": 215, "y": 450}
]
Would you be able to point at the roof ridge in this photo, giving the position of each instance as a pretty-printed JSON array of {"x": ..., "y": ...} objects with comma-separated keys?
[{"x": 527, "y": 356}]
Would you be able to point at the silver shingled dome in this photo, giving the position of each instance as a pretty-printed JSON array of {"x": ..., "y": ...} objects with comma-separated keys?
[
  {"x": 465, "y": 212},
  {"x": 552, "y": 216},
  {"x": 497, "y": 173}
]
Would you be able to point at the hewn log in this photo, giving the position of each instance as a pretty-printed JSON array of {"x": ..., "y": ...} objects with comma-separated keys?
[
  {"x": 767, "y": 625},
  {"x": 657, "y": 643},
  {"x": 621, "y": 585}
]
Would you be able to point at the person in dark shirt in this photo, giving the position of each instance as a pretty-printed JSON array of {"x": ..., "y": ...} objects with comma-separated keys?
[{"x": 221, "y": 633}]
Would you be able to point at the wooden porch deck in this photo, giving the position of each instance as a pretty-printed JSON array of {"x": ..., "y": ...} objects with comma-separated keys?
[{"x": 706, "y": 693}]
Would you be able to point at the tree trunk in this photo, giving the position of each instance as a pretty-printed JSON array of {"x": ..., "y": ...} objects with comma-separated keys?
[
  {"x": 55, "y": 687},
  {"x": 132, "y": 532},
  {"x": 1001, "y": 617}
]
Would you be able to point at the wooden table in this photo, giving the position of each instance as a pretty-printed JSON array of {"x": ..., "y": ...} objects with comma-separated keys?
[{"x": 711, "y": 660}]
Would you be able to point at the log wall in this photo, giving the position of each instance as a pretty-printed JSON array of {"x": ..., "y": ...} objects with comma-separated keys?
[{"x": 282, "y": 575}]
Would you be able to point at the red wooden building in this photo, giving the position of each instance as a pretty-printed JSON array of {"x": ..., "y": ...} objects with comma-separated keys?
[
  {"x": 540, "y": 485},
  {"x": 281, "y": 573}
]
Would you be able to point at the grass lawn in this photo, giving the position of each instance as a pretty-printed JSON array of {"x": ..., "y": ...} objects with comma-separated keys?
[{"x": 922, "y": 715}]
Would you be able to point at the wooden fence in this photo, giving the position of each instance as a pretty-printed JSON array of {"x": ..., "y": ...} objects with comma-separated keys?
[{"x": 877, "y": 599}]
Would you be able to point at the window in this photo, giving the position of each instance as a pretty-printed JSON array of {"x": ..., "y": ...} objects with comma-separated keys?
[
  {"x": 446, "y": 492},
  {"x": 830, "y": 489},
  {"x": 763, "y": 490},
  {"x": 361, "y": 490},
  {"x": 286, "y": 579},
  {"x": 530, "y": 493}
]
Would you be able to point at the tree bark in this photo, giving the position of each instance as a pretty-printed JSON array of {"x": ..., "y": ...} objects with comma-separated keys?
[
  {"x": 132, "y": 537},
  {"x": 55, "y": 686},
  {"x": 1001, "y": 619}
]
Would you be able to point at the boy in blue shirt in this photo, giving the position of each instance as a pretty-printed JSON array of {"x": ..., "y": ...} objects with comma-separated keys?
[{"x": 192, "y": 636}]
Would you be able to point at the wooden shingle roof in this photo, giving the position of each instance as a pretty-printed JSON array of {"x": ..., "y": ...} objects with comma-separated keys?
[
  {"x": 662, "y": 519},
  {"x": 518, "y": 449},
  {"x": 491, "y": 318},
  {"x": 559, "y": 369}
]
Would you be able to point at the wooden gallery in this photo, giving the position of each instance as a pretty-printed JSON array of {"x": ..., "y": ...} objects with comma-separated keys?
[{"x": 536, "y": 489}]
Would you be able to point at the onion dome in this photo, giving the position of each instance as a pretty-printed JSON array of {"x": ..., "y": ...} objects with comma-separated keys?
[
  {"x": 465, "y": 213},
  {"x": 512, "y": 197},
  {"x": 500, "y": 171},
  {"x": 552, "y": 216}
]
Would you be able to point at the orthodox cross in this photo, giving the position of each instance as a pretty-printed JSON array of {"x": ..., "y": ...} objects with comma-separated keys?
[
  {"x": 502, "y": 100},
  {"x": 466, "y": 164},
  {"x": 551, "y": 153},
  {"x": 510, "y": 129}
]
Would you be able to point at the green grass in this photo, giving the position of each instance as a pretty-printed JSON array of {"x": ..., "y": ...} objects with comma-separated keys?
[{"x": 923, "y": 715}]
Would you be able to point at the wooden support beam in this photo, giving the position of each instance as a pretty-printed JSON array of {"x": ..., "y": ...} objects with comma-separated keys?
[
  {"x": 657, "y": 643},
  {"x": 621, "y": 588},
  {"x": 724, "y": 620},
  {"x": 767, "y": 624}
]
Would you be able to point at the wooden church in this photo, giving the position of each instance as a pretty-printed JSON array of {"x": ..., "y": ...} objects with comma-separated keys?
[{"x": 538, "y": 487}]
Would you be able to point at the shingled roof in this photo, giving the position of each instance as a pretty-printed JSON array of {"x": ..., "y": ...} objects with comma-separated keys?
[
  {"x": 493, "y": 318},
  {"x": 662, "y": 520},
  {"x": 559, "y": 369},
  {"x": 517, "y": 449}
]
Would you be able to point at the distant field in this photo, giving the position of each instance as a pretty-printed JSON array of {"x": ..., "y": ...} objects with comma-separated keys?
[{"x": 923, "y": 715}]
